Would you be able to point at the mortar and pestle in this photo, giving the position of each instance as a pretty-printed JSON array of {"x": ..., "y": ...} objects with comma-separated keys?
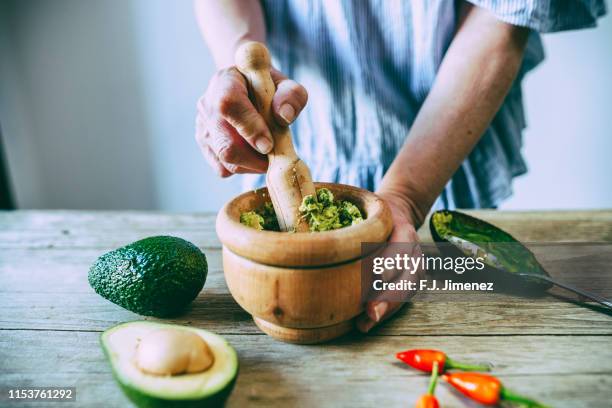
[{"x": 300, "y": 287}]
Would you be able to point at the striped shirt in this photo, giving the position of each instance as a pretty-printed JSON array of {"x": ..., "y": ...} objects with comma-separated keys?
[{"x": 368, "y": 66}]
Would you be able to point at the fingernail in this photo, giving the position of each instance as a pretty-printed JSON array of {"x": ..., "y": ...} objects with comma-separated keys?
[
  {"x": 287, "y": 112},
  {"x": 263, "y": 145},
  {"x": 379, "y": 310},
  {"x": 368, "y": 326},
  {"x": 364, "y": 323}
]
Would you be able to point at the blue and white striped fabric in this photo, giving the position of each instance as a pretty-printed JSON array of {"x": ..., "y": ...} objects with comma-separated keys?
[{"x": 368, "y": 65}]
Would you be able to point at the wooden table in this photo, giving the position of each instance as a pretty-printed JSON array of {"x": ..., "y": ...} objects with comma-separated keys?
[{"x": 50, "y": 322}]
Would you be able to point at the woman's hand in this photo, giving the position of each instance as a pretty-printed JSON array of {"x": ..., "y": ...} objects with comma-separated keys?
[
  {"x": 403, "y": 231},
  {"x": 232, "y": 135}
]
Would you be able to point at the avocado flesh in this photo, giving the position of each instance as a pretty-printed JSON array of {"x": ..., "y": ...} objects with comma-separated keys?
[
  {"x": 208, "y": 388},
  {"x": 157, "y": 276},
  {"x": 504, "y": 253},
  {"x": 323, "y": 213}
]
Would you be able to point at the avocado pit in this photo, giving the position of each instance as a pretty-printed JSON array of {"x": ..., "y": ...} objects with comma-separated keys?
[{"x": 170, "y": 351}]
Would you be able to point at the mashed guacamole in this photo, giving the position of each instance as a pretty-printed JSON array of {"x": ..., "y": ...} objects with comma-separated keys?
[
  {"x": 261, "y": 219},
  {"x": 323, "y": 213}
]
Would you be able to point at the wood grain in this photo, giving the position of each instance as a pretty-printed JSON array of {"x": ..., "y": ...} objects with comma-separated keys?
[
  {"x": 359, "y": 372},
  {"x": 104, "y": 229},
  {"x": 50, "y": 321},
  {"x": 48, "y": 289},
  {"x": 304, "y": 249}
]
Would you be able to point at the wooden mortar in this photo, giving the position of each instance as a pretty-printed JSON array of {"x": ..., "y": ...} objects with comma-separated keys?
[{"x": 302, "y": 287}]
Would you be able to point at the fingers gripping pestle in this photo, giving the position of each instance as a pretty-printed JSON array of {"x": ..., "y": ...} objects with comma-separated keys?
[{"x": 288, "y": 177}]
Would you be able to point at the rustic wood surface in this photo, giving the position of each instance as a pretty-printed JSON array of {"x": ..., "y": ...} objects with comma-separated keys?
[{"x": 50, "y": 322}]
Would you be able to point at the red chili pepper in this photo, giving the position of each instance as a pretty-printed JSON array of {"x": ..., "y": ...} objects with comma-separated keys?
[
  {"x": 429, "y": 400},
  {"x": 486, "y": 389},
  {"x": 423, "y": 360}
]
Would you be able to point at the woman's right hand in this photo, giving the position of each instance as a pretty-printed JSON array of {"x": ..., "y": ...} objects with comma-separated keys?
[{"x": 232, "y": 135}]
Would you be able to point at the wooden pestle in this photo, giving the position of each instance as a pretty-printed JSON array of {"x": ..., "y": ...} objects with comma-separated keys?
[{"x": 288, "y": 177}]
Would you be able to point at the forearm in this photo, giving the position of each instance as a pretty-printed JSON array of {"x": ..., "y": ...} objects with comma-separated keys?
[
  {"x": 473, "y": 80},
  {"x": 226, "y": 24}
]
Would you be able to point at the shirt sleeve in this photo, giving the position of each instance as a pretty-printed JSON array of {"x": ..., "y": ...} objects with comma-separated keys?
[{"x": 546, "y": 16}]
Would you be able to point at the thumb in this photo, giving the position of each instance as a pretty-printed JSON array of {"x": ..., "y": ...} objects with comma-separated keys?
[
  {"x": 375, "y": 313},
  {"x": 289, "y": 99}
]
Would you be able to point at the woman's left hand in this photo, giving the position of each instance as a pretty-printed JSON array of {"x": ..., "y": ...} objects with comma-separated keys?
[{"x": 403, "y": 231}]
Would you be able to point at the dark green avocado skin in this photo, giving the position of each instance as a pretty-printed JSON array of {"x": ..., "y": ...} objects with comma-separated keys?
[
  {"x": 157, "y": 276},
  {"x": 142, "y": 400}
]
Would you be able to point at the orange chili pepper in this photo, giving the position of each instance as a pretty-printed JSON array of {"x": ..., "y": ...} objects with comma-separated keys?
[
  {"x": 423, "y": 359},
  {"x": 429, "y": 400},
  {"x": 486, "y": 389}
]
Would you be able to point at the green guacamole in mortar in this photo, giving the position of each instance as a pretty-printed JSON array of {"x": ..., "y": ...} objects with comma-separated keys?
[{"x": 323, "y": 214}]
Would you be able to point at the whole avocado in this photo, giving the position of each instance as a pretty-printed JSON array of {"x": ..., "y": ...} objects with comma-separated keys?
[{"x": 156, "y": 276}]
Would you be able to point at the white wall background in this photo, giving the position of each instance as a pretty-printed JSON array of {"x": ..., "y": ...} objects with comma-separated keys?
[
  {"x": 568, "y": 142},
  {"x": 97, "y": 103}
]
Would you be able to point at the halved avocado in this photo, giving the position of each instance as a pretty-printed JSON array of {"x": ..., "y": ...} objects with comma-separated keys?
[
  {"x": 502, "y": 252},
  {"x": 209, "y": 388}
]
